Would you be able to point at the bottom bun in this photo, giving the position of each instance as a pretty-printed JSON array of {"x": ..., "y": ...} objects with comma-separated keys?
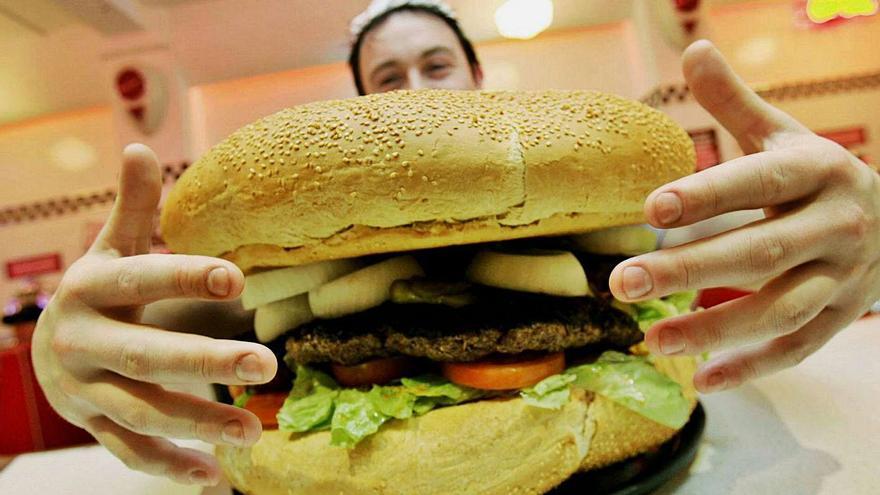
[{"x": 486, "y": 447}]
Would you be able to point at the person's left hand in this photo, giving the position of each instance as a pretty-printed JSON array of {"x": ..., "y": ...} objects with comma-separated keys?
[{"x": 819, "y": 245}]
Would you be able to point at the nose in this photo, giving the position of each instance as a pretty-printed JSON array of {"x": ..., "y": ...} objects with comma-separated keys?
[{"x": 414, "y": 79}]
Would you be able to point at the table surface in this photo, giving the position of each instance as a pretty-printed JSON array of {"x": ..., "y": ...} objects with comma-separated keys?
[{"x": 812, "y": 429}]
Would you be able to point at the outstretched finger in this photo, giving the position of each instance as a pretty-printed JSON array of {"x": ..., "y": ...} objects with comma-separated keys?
[
  {"x": 129, "y": 229},
  {"x": 756, "y": 251},
  {"x": 142, "y": 279},
  {"x": 161, "y": 356},
  {"x": 154, "y": 455},
  {"x": 753, "y": 181},
  {"x": 722, "y": 93},
  {"x": 782, "y": 306},
  {"x": 149, "y": 409},
  {"x": 732, "y": 369}
]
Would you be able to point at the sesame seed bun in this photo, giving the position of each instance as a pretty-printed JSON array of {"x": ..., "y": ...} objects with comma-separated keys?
[{"x": 417, "y": 169}]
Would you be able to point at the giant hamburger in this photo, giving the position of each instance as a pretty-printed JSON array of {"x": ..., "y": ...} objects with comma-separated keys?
[{"x": 437, "y": 263}]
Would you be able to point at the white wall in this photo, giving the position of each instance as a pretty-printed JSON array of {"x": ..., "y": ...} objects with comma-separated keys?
[
  {"x": 65, "y": 235},
  {"x": 219, "y": 109},
  {"x": 33, "y": 155},
  {"x": 29, "y": 155},
  {"x": 767, "y": 42}
]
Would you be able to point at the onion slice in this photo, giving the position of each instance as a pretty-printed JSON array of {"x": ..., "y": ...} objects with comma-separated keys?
[
  {"x": 556, "y": 273},
  {"x": 274, "y": 285},
  {"x": 630, "y": 240},
  {"x": 363, "y": 289},
  {"x": 273, "y": 319}
]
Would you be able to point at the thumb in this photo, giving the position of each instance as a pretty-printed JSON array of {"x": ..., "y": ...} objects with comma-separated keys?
[
  {"x": 751, "y": 120},
  {"x": 129, "y": 229}
]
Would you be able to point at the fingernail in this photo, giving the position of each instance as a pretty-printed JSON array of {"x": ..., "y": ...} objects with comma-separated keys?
[
  {"x": 218, "y": 282},
  {"x": 198, "y": 477},
  {"x": 636, "y": 281},
  {"x": 668, "y": 207},
  {"x": 248, "y": 369},
  {"x": 671, "y": 341},
  {"x": 233, "y": 433},
  {"x": 715, "y": 382}
]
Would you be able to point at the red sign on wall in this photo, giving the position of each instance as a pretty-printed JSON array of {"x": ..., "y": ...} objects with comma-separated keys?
[
  {"x": 848, "y": 138},
  {"x": 131, "y": 84},
  {"x": 34, "y": 265},
  {"x": 706, "y": 146}
]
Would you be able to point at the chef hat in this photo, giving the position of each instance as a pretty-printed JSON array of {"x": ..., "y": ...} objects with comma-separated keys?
[{"x": 379, "y": 7}]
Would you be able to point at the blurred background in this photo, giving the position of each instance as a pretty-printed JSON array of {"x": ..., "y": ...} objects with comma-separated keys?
[{"x": 79, "y": 79}]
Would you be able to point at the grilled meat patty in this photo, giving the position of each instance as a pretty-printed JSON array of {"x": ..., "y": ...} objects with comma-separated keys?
[{"x": 500, "y": 322}]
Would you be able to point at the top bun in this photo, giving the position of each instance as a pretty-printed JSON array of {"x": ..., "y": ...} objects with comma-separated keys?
[{"x": 418, "y": 169}]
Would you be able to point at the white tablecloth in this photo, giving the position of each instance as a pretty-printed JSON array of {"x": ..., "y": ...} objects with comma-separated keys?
[{"x": 813, "y": 429}]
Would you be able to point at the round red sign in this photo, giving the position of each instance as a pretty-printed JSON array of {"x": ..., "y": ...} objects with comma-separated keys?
[{"x": 130, "y": 83}]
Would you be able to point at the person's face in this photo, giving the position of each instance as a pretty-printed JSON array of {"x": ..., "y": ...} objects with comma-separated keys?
[{"x": 414, "y": 50}]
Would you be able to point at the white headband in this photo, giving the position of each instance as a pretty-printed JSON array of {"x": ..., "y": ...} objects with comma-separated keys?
[{"x": 379, "y": 7}]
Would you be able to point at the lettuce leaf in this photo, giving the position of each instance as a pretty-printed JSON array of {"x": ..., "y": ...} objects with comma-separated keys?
[
  {"x": 311, "y": 402},
  {"x": 425, "y": 404},
  {"x": 683, "y": 301},
  {"x": 317, "y": 402},
  {"x": 354, "y": 419},
  {"x": 394, "y": 402},
  {"x": 308, "y": 380},
  {"x": 243, "y": 398},
  {"x": 439, "y": 387},
  {"x": 309, "y": 413},
  {"x": 653, "y": 310},
  {"x": 634, "y": 383},
  {"x": 552, "y": 392}
]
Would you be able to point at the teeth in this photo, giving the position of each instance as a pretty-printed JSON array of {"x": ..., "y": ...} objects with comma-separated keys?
[
  {"x": 557, "y": 273},
  {"x": 274, "y": 285},
  {"x": 275, "y": 318},
  {"x": 630, "y": 241},
  {"x": 363, "y": 289}
]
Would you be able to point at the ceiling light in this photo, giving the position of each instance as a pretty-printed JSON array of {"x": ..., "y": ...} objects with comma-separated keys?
[
  {"x": 73, "y": 155},
  {"x": 523, "y": 19}
]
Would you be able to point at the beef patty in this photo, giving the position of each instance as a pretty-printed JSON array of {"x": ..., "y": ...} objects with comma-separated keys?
[{"x": 500, "y": 322}]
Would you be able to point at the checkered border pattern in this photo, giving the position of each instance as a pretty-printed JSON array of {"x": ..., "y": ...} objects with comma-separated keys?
[
  {"x": 671, "y": 93},
  {"x": 65, "y": 205}
]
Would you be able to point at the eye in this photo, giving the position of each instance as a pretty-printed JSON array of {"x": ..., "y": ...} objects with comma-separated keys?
[
  {"x": 389, "y": 80},
  {"x": 437, "y": 69}
]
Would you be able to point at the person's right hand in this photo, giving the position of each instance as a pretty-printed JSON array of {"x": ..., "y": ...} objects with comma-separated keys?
[{"x": 101, "y": 369}]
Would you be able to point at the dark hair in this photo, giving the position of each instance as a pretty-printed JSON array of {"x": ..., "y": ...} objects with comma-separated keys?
[{"x": 354, "y": 58}]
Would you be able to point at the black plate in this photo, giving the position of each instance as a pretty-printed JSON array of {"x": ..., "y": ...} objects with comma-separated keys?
[{"x": 645, "y": 473}]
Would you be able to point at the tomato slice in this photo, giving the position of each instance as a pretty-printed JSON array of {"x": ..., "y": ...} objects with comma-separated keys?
[
  {"x": 264, "y": 405},
  {"x": 377, "y": 371},
  {"x": 507, "y": 373}
]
